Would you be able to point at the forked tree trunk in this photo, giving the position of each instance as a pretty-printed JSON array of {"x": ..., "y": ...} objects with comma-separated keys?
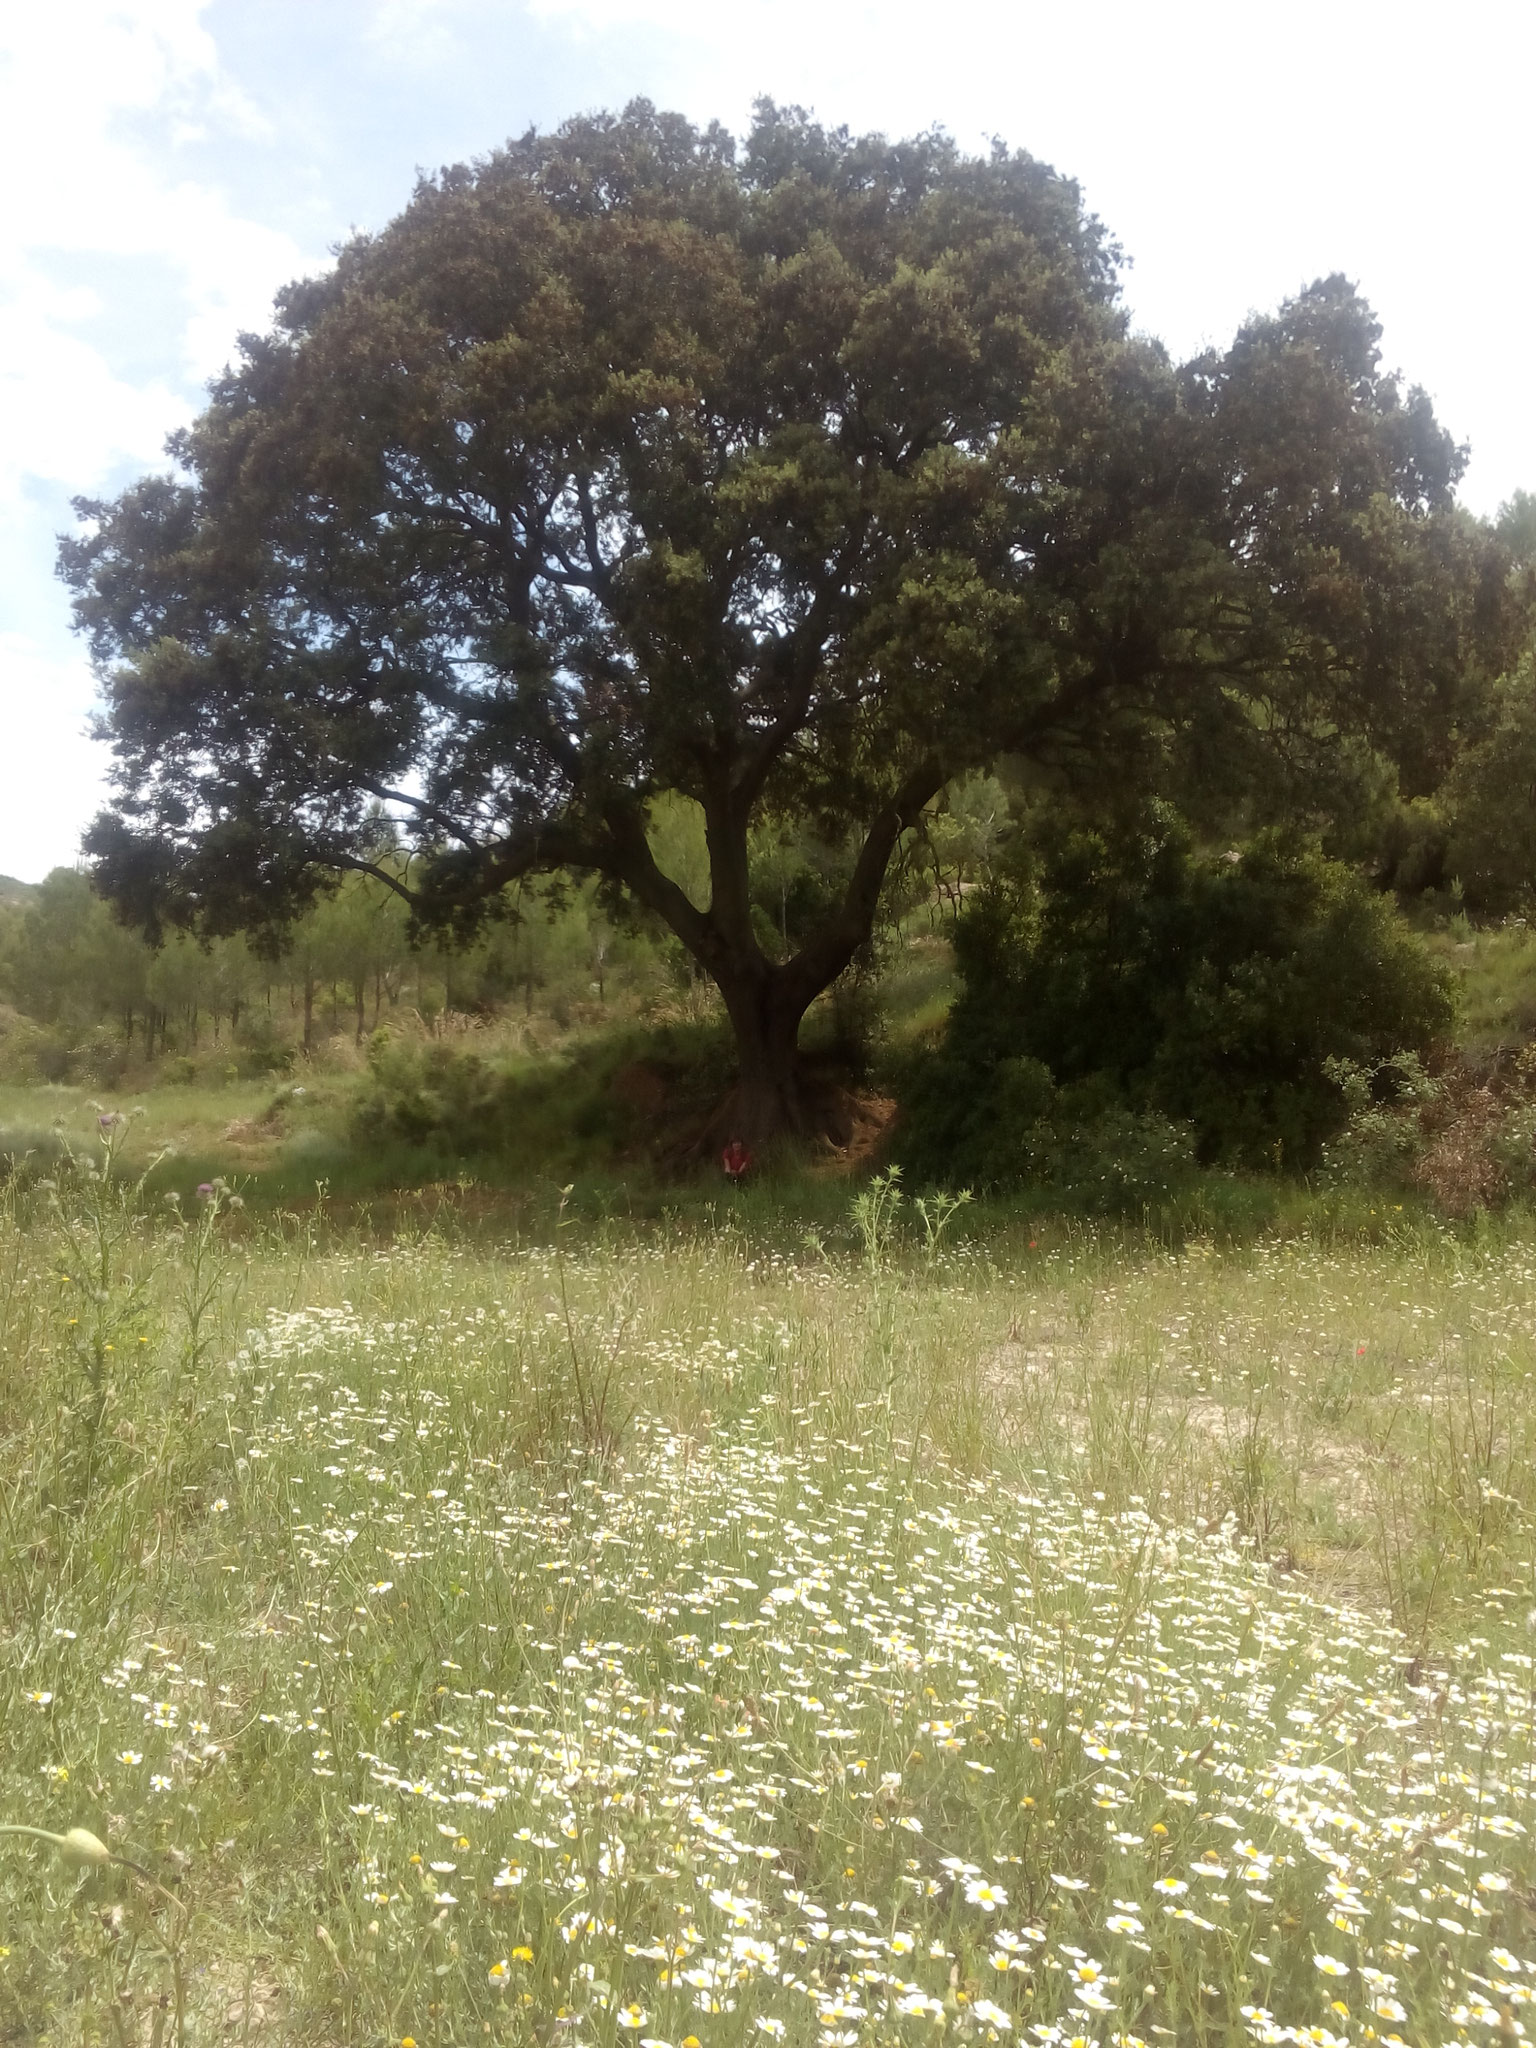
[{"x": 765, "y": 1000}]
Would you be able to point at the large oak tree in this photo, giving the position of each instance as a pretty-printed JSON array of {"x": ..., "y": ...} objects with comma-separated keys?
[{"x": 798, "y": 478}]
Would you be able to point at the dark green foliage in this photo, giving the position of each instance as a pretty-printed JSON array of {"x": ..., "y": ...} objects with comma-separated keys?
[
  {"x": 1211, "y": 992},
  {"x": 258, "y": 1050},
  {"x": 1411, "y": 850},
  {"x": 1291, "y": 961},
  {"x": 1490, "y": 802},
  {"x": 1010, "y": 1126},
  {"x": 1516, "y": 528}
]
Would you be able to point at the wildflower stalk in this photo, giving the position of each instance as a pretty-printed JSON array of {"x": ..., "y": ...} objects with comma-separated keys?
[
  {"x": 96, "y": 1229},
  {"x": 876, "y": 1211},
  {"x": 82, "y": 1850},
  {"x": 593, "y": 1395},
  {"x": 205, "y": 1269}
]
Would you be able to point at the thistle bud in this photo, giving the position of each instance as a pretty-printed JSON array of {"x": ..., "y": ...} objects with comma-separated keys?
[
  {"x": 79, "y": 1847},
  {"x": 83, "y": 1849}
]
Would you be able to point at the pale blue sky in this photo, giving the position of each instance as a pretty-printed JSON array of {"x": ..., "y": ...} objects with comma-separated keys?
[{"x": 168, "y": 163}]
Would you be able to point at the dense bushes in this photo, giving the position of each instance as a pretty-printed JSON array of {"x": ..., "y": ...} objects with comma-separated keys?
[
  {"x": 424, "y": 1092},
  {"x": 1010, "y": 1125},
  {"x": 31, "y": 1052},
  {"x": 621, "y": 1095},
  {"x": 1118, "y": 993},
  {"x": 1463, "y": 1137},
  {"x": 1489, "y": 799}
]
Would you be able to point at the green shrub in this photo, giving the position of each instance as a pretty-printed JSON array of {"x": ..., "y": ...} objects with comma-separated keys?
[
  {"x": 1488, "y": 799},
  {"x": 259, "y": 1051},
  {"x": 428, "y": 1093},
  {"x": 100, "y": 1057},
  {"x": 1210, "y": 994},
  {"x": 1464, "y": 1138},
  {"x": 31, "y": 1052},
  {"x": 1011, "y": 1126},
  {"x": 1383, "y": 1134},
  {"x": 25, "y": 1149},
  {"x": 641, "y": 1091}
]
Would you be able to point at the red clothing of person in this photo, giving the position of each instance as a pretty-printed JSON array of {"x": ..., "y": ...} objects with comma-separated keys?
[{"x": 735, "y": 1159}]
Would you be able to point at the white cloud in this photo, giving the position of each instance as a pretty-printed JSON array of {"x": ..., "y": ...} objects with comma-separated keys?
[
  {"x": 90, "y": 94},
  {"x": 412, "y": 31},
  {"x": 51, "y": 773},
  {"x": 71, "y": 79},
  {"x": 64, "y": 417}
]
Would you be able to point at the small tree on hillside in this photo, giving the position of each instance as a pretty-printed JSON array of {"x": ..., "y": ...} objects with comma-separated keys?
[
  {"x": 796, "y": 480},
  {"x": 71, "y": 964}
]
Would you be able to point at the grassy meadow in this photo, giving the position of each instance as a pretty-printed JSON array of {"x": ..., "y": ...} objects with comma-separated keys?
[{"x": 810, "y": 1615}]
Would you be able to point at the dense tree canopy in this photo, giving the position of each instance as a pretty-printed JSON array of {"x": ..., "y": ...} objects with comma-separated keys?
[{"x": 795, "y": 479}]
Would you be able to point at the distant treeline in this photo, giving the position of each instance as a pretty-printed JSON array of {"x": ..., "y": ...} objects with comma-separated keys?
[
  {"x": 90, "y": 995},
  {"x": 68, "y": 966}
]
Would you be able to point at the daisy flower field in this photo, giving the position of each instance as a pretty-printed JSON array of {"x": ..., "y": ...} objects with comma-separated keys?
[{"x": 691, "y": 1640}]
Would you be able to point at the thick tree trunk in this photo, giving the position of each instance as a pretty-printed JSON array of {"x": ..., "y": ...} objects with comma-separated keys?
[
  {"x": 765, "y": 1000},
  {"x": 771, "y": 1098}
]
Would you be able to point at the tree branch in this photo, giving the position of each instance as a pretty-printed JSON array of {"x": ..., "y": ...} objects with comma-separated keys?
[
  {"x": 628, "y": 858},
  {"x": 427, "y": 810},
  {"x": 604, "y": 582},
  {"x": 817, "y": 965},
  {"x": 369, "y": 867}
]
